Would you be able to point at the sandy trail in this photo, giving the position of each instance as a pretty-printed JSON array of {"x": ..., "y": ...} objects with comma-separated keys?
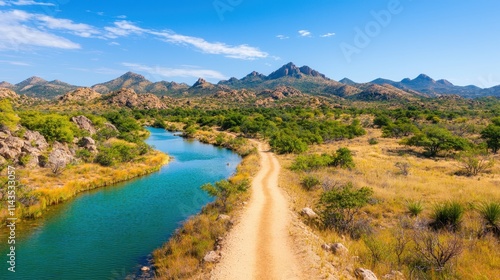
[{"x": 259, "y": 246}]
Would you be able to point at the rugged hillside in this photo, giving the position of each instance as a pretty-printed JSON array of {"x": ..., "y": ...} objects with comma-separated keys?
[
  {"x": 140, "y": 85},
  {"x": 38, "y": 87},
  {"x": 80, "y": 95},
  {"x": 127, "y": 97},
  {"x": 430, "y": 87},
  {"x": 304, "y": 79}
]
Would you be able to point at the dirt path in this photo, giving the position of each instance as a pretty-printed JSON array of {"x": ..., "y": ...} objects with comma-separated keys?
[{"x": 259, "y": 247}]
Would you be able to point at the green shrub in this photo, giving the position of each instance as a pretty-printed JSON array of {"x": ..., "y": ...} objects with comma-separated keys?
[
  {"x": 339, "y": 207},
  {"x": 415, "y": 208},
  {"x": 53, "y": 127},
  {"x": 309, "y": 182},
  {"x": 373, "y": 141},
  {"x": 286, "y": 144},
  {"x": 24, "y": 160},
  {"x": 84, "y": 155},
  {"x": 311, "y": 162},
  {"x": 343, "y": 158},
  {"x": 8, "y": 117},
  {"x": 447, "y": 216},
  {"x": 490, "y": 212}
]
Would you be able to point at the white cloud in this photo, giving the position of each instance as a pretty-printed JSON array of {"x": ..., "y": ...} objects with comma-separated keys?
[
  {"x": 282, "y": 37},
  {"x": 176, "y": 72},
  {"x": 113, "y": 43},
  {"x": 79, "y": 29},
  {"x": 14, "y": 33},
  {"x": 25, "y": 3},
  {"x": 125, "y": 28},
  {"x": 16, "y": 63},
  {"x": 330, "y": 34},
  {"x": 122, "y": 16},
  {"x": 304, "y": 33}
]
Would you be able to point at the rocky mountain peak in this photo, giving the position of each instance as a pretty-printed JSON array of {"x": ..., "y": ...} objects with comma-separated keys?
[
  {"x": 444, "y": 82},
  {"x": 201, "y": 83},
  {"x": 133, "y": 76},
  {"x": 31, "y": 81},
  {"x": 5, "y": 84},
  {"x": 291, "y": 70},
  {"x": 347, "y": 81},
  {"x": 423, "y": 78}
]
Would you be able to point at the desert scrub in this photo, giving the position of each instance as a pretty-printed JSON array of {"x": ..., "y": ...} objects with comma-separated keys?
[
  {"x": 447, "y": 215},
  {"x": 415, "y": 208},
  {"x": 490, "y": 213}
]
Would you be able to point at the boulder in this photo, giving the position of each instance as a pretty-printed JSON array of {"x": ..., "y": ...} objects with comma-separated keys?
[
  {"x": 60, "y": 155},
  {"x": 35, "y": 139},
  {"x": 223, "y": 217},
  {"x": 394, "y": 275},
  {"x": 364, "y": 274},
  {"x": 84, "y": 123},
  {"x": 10, "y": 147},
  {"x": 308, "y": 212},
  {"x": 145, "y": 268},
  {"x": 339, "y": 249},
  {"x": 88, "y": 143},
  {"x": 212, "y": 257},
  {"x": 326, "y": 247},
  {"x": 110, "y": 126}
]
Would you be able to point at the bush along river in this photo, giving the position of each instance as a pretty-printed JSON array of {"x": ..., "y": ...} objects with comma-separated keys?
[{"x": 108, "y": 233}]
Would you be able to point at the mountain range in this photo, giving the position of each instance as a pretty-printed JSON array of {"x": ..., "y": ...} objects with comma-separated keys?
[{"x": 304, "y": 79}]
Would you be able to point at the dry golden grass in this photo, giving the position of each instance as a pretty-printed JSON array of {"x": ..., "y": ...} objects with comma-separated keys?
[{"x": 430, "y": 181}]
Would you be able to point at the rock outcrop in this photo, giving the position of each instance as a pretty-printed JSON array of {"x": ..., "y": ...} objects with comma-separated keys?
[
  {"x": 60, "y": 155},
  {"x": 84, "y": 123},
  {"x": 129, "y": 98},
  {"x": 80, "y": 95},
  {"x": 8, "y": 93},
  {"x": 281, "y": 92},
  {"x": 27, "y": 149},
  {"x": 89, "y": 144},
  {"x": 364, "y": 274},
  {"x": 212, "y": 257},
  {"x": 309, "y": 213}
]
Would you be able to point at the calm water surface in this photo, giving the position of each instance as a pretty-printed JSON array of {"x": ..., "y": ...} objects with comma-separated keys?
[{"x": 109, "y": 232}]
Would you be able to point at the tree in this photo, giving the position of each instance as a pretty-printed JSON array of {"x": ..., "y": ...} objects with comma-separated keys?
[
  {"x": 474, "y": 162},
  {"x": 492, "y": 136},
  {"x": 285, "y": 143},
  {"x": 435, "y": 139},
  {"x": 340, "y": 206},
  {"x": 222, "y": 190},
  {"x": 343, "y": 158}
]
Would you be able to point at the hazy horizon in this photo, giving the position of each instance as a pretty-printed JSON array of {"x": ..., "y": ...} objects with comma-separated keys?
[{"x": 85, "y": 43}]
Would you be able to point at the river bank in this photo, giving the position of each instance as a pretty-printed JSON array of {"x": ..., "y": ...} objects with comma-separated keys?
[
  {"x": 47, "y": 189},
  {"x": 184, "y": 255},
  {"x": 108, "y": 232}
]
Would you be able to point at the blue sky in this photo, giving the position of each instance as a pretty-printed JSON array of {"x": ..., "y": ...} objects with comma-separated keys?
[{"x": 87, "y": 42}]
